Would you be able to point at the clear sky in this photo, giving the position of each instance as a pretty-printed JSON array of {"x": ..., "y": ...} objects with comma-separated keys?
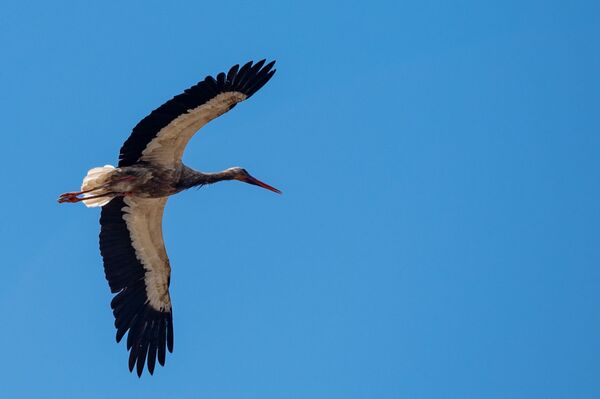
[{"x": 438, "y": 235}]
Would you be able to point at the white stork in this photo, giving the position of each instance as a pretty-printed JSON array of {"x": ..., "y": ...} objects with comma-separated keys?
[{"x": 133, "y": 197}]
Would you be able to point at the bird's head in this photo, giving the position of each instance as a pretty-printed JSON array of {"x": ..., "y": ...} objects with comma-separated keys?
[{"x": 242, "y": 174}]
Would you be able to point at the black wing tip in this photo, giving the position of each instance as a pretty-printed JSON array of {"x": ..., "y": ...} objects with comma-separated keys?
[
  {"x": 250, "y": 77},
  {"x": 147, "y": 339}
]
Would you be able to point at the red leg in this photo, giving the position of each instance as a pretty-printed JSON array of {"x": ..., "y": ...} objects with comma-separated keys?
[
  {"x": 73, "y": 198},
  {"x": 76, "y": 193}
]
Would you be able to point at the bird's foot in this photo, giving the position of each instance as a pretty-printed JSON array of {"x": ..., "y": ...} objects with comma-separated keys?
[{"x": 71, "y": 197}]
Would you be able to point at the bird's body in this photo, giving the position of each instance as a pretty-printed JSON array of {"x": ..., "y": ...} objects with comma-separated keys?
[
  {"x": 146, "y": 181},
  {"x": 133, "y": 196}
]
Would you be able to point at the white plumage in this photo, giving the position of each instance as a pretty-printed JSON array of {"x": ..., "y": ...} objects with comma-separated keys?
[{"x": 95, "y": 179}]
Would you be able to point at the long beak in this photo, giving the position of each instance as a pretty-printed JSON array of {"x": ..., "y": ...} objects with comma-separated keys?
[{"x": 256, "y": 182}]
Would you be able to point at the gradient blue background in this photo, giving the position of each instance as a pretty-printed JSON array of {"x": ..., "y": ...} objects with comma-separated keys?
[{"x": 438, "y": 236}]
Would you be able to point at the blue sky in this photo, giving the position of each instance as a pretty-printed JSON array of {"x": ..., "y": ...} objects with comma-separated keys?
[{"x": 438, "y": 232}]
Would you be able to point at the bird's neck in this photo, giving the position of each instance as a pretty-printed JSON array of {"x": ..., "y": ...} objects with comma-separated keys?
[{"x": 192, "y": 178}]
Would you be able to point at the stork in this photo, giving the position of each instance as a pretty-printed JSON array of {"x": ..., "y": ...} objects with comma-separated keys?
[{"x": 133, "y": 197}]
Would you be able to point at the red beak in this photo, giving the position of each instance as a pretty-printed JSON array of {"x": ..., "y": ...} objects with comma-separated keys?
[{"x": 256, "y": 182}]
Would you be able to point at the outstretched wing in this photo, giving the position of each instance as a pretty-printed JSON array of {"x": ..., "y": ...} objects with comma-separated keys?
[
  {"x": 138, "y": 271},
  {"x": 161, "y": 137}
]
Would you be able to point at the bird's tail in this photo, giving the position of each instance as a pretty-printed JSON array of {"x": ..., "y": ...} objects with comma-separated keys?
[{"x": 96, "y": 184}]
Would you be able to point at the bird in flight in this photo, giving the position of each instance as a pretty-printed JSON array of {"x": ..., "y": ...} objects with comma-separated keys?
[{"x": 133, "y": 197}]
